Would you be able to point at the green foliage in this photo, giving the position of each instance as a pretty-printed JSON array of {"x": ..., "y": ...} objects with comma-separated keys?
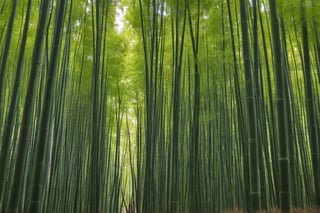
[{"x": 184, "y": 110}]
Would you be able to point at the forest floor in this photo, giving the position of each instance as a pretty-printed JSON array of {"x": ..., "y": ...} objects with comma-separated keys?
[{"x": 276, "y": 210}]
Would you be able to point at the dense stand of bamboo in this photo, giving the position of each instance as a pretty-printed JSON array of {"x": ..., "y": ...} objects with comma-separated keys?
[{"x": 196, "y": 106}]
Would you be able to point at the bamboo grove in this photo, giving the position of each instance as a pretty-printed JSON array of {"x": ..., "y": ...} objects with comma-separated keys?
[{"x": 191, "y": 106}]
